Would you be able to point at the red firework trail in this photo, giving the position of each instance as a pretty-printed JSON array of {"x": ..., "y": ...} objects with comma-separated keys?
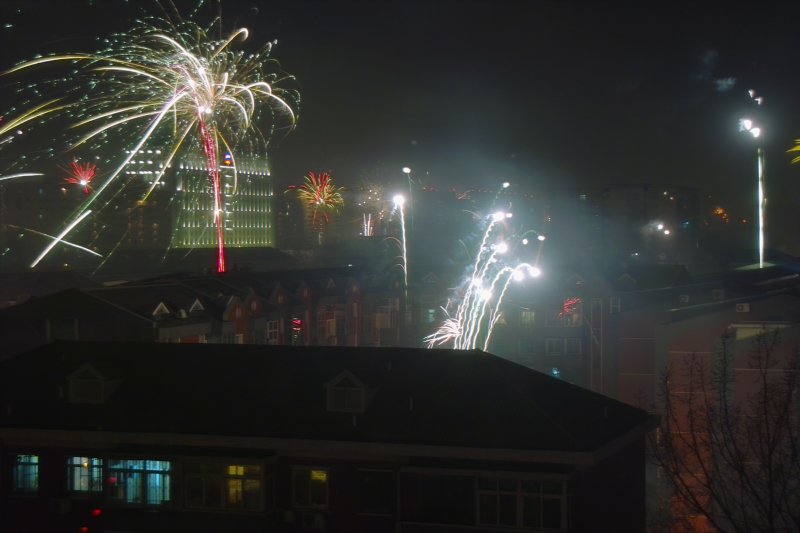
[
  {"x": 210, "y": 150},
  {"x": 81, "y": 175}
]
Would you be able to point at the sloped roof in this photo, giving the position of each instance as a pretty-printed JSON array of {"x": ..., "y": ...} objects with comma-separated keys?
[
  {"x": 144, "y": 299},
  {"x": 415, "y": 396}
]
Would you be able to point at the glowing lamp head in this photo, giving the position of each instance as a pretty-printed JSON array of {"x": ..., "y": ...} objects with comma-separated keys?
[
  {"x": 525, "y": 241},
  {"x": 506, "y": 185},
  {"x": 659, "y": 226},
  {"x": 406, "y": 170},
  {"x": 745, "y": 124},
  {"x": 498, "y": 216},
  {"x": 541, "y": 238},
  {"x": 501, "y": 248},
  {"x": 399, "y": 200},
  {"x": 756, "y": 132},
  {"x": 666, "y": 232}
]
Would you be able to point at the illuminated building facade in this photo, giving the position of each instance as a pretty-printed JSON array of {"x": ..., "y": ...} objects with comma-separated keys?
[
  {"x": 246, "y": 205},
  {"x": 183, "y": 217}
]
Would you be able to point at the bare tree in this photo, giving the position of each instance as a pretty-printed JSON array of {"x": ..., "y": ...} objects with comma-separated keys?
[{"x": 729, "y": 444}]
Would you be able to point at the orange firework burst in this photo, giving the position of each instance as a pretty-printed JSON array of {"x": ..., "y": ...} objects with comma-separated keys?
[
  {"x": 319, "y": 195},
  {"x": 81, "y": 175}
]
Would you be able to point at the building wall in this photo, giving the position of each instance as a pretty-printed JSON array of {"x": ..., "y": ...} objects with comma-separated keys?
[{"x": 372, "y": 494}]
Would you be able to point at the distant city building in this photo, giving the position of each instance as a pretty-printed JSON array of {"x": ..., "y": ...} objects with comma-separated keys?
[
  {"x": 183, "y": 217},
  {"x": 247, "y": 205}
]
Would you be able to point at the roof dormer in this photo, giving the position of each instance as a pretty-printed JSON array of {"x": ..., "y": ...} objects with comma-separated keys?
[
  {"x": 86, "y": 385},
  {"x": 346, "y": 394},
  {"x": 161, "y": 310},
  {"x": 196, "y": 306}
]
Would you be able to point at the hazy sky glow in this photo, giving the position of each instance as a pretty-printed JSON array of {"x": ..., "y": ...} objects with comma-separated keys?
[{"x": 538, "y": 92}]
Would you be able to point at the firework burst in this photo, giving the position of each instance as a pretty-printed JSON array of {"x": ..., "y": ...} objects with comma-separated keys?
[
  {"x": 165, "y": 83},
  {"x": 81, "y": 175},
  {"x": 319, "y": 195}
]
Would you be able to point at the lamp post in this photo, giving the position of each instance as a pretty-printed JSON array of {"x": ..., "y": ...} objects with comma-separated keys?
[{"x": 747, "y": 125}]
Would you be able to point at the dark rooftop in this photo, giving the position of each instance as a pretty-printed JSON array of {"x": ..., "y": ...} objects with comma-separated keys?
[{"x": 414, "y": 396}]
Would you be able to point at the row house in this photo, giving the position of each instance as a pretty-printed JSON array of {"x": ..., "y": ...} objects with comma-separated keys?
[
  {"x": 320, "y": 309},
  {"x": 309, "y": 439}
]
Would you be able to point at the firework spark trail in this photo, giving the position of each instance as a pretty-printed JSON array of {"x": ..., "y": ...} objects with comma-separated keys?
[
  {"x": 496, "y": 314},
  {"x": 20, "y": 175},
  {"x": 78, "y": 246},
  {"x": 399, "y": 204},
  {"x": 162, "y": 70},
  {"x": 467, "y": 301},
  {"x": 213, "y": 173},
  {"x": 60, "y": 236},
  {"x": 481, "y": 295},
  {"x": 367, "y": 224}
]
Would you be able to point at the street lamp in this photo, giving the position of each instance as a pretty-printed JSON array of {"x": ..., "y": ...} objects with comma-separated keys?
[{"x": 747, "y": 125}]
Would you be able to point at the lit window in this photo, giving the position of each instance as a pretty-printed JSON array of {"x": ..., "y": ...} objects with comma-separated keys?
[
  {"x": 224, "y": 486},
  {"x": 139, "y": 481},
  {"x": 310, "y": 487},
  {"x": 84, "y": 474},
  {"x": 521, "y": 503},
  {"x": 430, "y": 316},
  {"x": 527, "y": 316},
  {"x": 26, "y": 473}
]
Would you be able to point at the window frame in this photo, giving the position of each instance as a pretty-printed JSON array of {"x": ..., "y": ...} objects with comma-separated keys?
[
  {"x": 311, "y": 505},
  {"x": 527, "y": 317},
  {"x": 520, "y": 495},
  {"x": 554, "y": 341},
  {"x": 25, "y": 470},
  {"x": 578, "y": 344},
  {"x": 392, "y": 507},
  {"x": 273, "y": 331},
  {"x": 223, "y": 477},
  {"x": 95, "y": 466},
  {"x": 144, "y": 475}
]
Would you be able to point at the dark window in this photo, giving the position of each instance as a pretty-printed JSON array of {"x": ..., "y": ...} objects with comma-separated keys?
[
  {"x": 377, "y": 492},
  {"x": 310, "y": 487},
  {"x": 521, "y": 503},
  {"x": 438, "y": 499},
  {"x": 346, "y": 399},
  {"x": 26, "y": 473}
]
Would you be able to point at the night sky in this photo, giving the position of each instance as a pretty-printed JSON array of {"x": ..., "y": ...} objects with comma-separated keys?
[{"x": 542, "y": 93}]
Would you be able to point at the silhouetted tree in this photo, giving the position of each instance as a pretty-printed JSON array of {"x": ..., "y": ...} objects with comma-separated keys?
[{"x": 729, "y": 444}]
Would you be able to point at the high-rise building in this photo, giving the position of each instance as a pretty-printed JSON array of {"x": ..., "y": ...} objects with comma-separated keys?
[{"x": 247, "y": 204}]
